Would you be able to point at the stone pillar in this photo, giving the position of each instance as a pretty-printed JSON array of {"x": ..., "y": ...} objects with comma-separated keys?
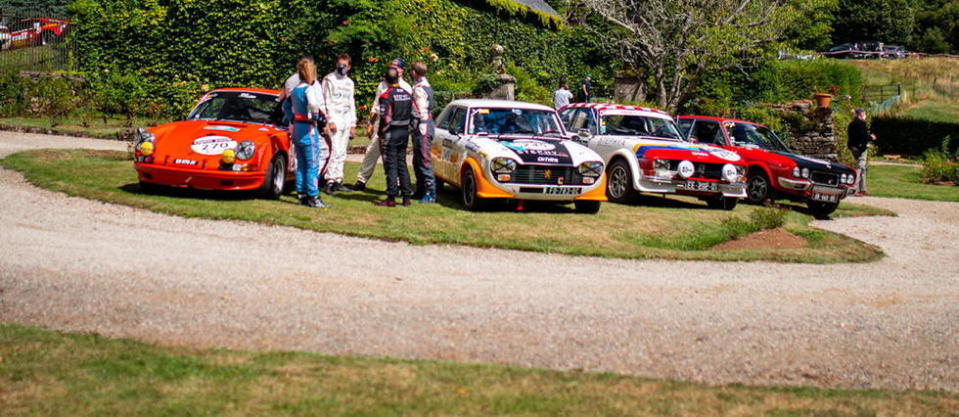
[{"x": 812, "y": 130}]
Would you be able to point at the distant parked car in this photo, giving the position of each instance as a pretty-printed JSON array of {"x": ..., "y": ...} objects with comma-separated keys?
[
  {"x": 894, "y": 52},
  {"x": 38, "y": 31},
  {"x": 509, "y": 150},
  {"x": 6, "y": 39},
  {"x": 645, "y": 153},
  {"x": 774, "y": 172}
]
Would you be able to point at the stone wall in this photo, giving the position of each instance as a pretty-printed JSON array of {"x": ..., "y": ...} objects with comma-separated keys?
[{"x": 812, "y": 130}]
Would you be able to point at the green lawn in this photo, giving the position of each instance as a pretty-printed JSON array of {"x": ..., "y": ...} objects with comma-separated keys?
[
  {"x": 674, "y": 228},
  {"x": 903, "y": 181},
  {"x": 45, "y": 373},
  {"x": 36, "y": 58},
  {"x": 934, "y": 111},
  {"x": 92, "y": 127}
]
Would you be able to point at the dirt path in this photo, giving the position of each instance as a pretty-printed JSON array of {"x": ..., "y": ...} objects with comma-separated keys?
[{"x": 78, "y": 265}]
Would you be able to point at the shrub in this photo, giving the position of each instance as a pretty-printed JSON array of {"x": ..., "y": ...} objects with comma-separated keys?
[
  {"x": 938, "y": 167},
  {"x": 768, "y": 218},
  {"x": 55, "y": 97},
  {"x": 907, "y": 136},
  {"x": 13, "y": 93}
]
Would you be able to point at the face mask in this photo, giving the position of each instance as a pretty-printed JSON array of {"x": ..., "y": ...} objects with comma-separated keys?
[{"x": 341, "y": 69}]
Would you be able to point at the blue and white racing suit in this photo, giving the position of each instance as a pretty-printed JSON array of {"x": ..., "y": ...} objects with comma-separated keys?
[{"x": 312, "y": 151}]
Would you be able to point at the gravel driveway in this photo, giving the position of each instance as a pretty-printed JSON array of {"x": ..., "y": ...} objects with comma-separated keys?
[{"x": 77, "y": 265}]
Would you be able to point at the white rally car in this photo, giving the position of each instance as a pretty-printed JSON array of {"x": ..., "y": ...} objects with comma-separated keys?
[
  {"x": 510, "y": 150},
  {"x": 645, "y": 153}
]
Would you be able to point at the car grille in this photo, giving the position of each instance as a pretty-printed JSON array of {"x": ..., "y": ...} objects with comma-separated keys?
[
  {"x": 546, "y": 175},
  {"x": 827, "y": 178},
  {"x": 707, "y": 171}
]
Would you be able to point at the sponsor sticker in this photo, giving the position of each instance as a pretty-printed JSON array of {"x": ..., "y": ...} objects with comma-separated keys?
[
  {"x": 247, "y": 96},
  {"x": 212, "y": 145},
  {"x": 184, "y": 162},
  {"x": 222, "y": 128}
]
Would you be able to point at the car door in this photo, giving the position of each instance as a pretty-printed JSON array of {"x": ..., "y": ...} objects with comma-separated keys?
[{"x": 446, "y": 143}]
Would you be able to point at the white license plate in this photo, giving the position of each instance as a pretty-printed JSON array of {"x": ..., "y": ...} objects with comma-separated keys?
[
  {"x": 825, "y": 197},
  {"x": 701, "y": 186},
  {"x": 563, "y": 191}
]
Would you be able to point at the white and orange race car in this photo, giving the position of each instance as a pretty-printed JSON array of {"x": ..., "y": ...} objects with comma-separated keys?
[{"x": 508, "y": 150}]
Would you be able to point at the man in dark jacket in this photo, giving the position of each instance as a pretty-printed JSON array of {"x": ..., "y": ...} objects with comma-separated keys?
[
  {"x": 396, "y": 115},
  {"x": 858, "y": 143}
]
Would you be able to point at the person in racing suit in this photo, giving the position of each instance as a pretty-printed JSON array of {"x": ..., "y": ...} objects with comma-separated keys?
[
  {"x": 311, "y": 149},
  {"x": 373, "y": 149},
  {"x": 292, "y": 82},
  {"x": 396, "y": 115},
  {"x": 423, "y": 129},
  {"x": 338, "y": 91}
]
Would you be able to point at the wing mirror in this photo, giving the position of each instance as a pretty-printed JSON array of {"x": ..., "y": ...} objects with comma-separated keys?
[{"x": 584, "y": 133}]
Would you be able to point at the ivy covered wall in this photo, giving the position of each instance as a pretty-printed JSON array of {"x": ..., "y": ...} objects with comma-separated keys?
[{"x": 192, "y": 44}]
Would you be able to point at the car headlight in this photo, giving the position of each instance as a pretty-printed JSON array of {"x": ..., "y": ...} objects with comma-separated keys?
[
  {"x": 503, "y": 165},
  {"x": 805, "y": 172},
  {"x": 228, "y": 157},
  {"x": 591, "y": 169},
  {"x": 144, "y": 142},
  {"x": 686, "y": 169},
  {"x": 850, "y": 179},
  {"x": 245, "y": 150},
  {"x": 731, "y": 173},
  {"x": 797, "y": 172},
  {"x": 842, "y": 178}
]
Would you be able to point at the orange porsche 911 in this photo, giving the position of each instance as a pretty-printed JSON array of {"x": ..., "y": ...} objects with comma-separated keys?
[{"x": 232, "y": 140}]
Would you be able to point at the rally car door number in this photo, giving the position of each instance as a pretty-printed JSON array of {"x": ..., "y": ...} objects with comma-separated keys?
[{"x": 212, "y": 145}]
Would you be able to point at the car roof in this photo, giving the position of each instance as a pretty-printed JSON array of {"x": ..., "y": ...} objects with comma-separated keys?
[
  {"x": 609, "y": 106},
  {"x": 246, "y": 90},
  {"x": 473, "y": 102},
  {"x": 718, "y": 119}
]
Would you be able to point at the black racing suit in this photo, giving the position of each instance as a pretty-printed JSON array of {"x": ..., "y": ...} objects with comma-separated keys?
[{"x": 396, "y": 115}]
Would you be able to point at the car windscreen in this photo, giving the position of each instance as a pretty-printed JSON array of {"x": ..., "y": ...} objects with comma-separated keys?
[
  {"x": 514, "y": 121},
  {"x": 238, "y": 107},
  {"x": 750, "y": 134},
  {"x": 636, "y": 125}
]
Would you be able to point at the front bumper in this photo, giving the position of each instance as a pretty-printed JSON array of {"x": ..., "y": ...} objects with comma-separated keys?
[
  {"x": 807, "y": 189},
  {"x": 199, "y": 179},
  {"x": 658, "y": 185}
]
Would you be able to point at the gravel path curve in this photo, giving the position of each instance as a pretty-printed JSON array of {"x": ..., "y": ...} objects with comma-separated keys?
[{"x": 78, "y": 265}]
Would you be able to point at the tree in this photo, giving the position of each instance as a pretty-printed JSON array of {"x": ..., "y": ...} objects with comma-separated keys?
[
  {"x": 889, "y": 21},
  {"x": 53, "y": 8},
  {"x": 670, "y": 44},
  {"x": 812, "y": 29}
]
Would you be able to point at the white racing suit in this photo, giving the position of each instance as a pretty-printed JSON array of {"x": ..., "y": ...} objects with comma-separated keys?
[
  {"x": 373, "y": 150},
  {"x": 341, "y": 111}
]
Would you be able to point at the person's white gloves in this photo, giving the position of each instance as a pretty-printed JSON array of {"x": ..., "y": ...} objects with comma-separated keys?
[{"x": 423, "y": 128}]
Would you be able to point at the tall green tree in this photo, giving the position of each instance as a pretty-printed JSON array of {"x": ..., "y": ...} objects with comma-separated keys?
[
  {"x": 937, "y": 27},
  {"x": 889, "y": 21},
  {"x": 33, "y": 7},
  {"x": 813, "y": 26}
]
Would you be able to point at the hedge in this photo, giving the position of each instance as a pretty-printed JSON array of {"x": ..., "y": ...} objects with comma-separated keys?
[
  {"x": 906, "y": 136},
  {"x": 216, "y": 43}
]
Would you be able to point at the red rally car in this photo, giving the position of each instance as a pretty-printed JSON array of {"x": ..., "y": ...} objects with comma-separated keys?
[
  {"x": 36, "y": 32},
  {"x": 774, "y": 171},
  {"x": 232, "y": 140}
]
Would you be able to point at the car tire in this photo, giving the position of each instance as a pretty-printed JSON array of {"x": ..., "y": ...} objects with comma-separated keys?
[
  {"x": 758, "y": 189},
  {"x": 821, "y": 210},
  {"x": 469, "y": 191},
  {"x": 274, "y": 181},
  {"x": 619, "y": 183},
  {"x": 587, "y": 207},
  {"x": 722, "y": 203}
]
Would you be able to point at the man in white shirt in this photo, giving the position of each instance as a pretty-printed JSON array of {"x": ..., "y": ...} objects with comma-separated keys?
[
  {"x": 423, "y": 134},
  {"x": 338, "y": 92},
  {"x": 562, "y": 96},
  {"x": 373, "y": 149}
]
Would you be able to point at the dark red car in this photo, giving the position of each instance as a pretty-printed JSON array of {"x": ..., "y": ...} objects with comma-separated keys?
[
  {"x": 773, "y": 171},
  {"x": 37, "y": 32}
]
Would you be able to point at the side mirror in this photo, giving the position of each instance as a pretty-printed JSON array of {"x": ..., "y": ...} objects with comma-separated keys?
[
  {"x": 454, "y": 132},
  {"x": 584, "y": 133}
]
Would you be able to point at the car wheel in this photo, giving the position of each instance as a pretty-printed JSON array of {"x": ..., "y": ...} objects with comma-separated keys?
[
  {"x": 619, "y": 183},
  {"x": 587, "y": 207},
  {"x": 821, "y": 210},
  {"x": 757, "y": 189},
  {"x": 47, "y": 38},
  {"x": 274, "y": 181},
  {"x": 722, "y": 203},
  {"x": 469, "y": 190}
]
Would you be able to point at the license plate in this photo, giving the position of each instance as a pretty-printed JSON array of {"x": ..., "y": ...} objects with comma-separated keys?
[
  {"x": 563, "y": 191},
  {"x": 827, "y": 195},
  {"x": 701, "y": 186}
]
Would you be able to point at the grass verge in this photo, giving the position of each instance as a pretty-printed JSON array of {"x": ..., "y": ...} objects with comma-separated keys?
[
  {"x": 902, "y": 181},
  {"x": 92, "y": 127},
  {"x": 663, "y": 228},
  {"x": 45, "y": 373}
]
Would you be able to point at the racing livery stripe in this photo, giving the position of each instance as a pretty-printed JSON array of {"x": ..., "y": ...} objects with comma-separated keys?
[{"x": 642, "y": 149}]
